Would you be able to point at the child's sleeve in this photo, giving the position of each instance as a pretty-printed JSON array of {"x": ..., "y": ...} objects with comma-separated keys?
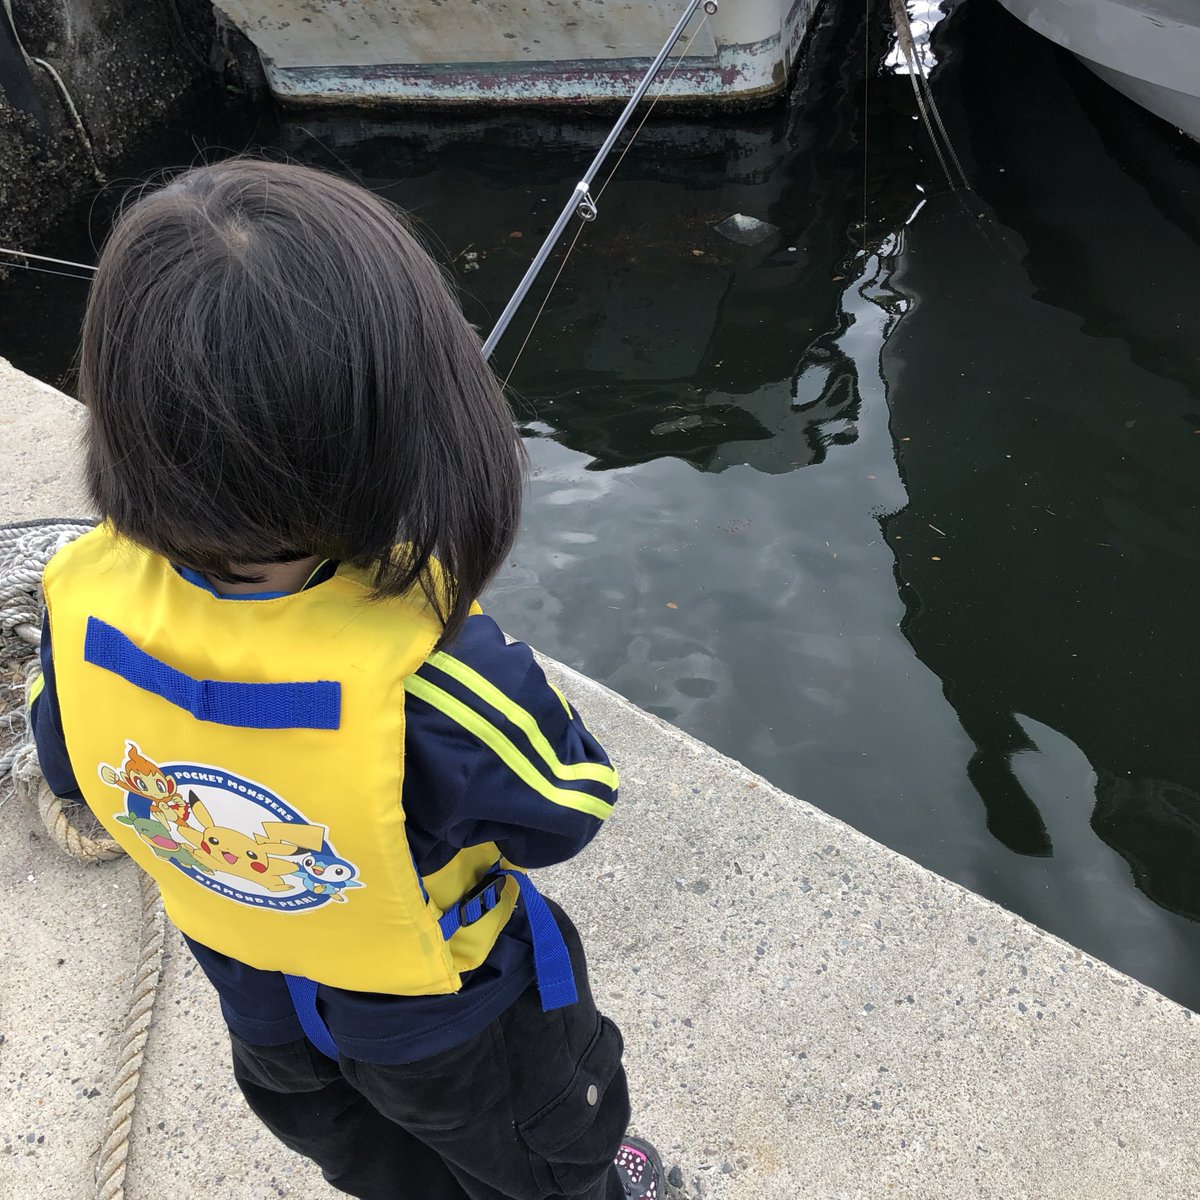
[
  {"x": 46, "y": 721},
  {"x": 494, "y": 753}
]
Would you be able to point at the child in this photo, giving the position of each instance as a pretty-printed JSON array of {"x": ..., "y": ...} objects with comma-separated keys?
[{"x": 266, "y": 674}]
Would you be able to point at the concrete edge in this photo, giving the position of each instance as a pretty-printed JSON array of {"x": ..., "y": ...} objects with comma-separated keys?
[{"x": 581, "y": 683}]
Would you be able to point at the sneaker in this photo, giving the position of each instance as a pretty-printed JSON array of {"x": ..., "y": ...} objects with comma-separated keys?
[{"x": 641, "y": 1170}]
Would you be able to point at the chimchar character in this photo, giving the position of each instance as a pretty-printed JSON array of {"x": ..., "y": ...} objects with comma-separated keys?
[{"x": 168, "y": 809}]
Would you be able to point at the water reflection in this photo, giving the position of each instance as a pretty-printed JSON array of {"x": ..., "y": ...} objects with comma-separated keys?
[
  {"x": 1105, "y": 198},
  {"x": 1061, "y": 478},
  {"x": 1155, "y": 825}
]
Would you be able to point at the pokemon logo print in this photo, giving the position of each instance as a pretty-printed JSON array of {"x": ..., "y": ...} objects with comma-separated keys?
[{"x": 229, "y": 834}]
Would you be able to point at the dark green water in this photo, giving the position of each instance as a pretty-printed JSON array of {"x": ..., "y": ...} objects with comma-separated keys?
[{"x": 912, "y": 530}]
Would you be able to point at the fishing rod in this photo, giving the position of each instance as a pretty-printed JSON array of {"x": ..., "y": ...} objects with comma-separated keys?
[
  {"x": 580, "y": 201},
  {"x": 62, "y": 262}
]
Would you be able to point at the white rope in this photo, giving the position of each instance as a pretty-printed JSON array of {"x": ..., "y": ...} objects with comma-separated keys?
[
  {"x": 114, "y": 1153},
  {"x": 24, "y": 551},
  {"x": 60, "y": 824}
]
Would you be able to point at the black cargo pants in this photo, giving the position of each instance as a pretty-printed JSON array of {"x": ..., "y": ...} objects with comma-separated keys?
[{"x": 533, "y": 1108}]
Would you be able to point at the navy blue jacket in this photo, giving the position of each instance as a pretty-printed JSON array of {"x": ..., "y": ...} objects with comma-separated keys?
[{"x": 457, "y": 793}]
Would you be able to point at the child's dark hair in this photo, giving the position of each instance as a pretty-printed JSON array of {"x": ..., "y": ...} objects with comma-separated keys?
[{"x": 274, "y": 368}]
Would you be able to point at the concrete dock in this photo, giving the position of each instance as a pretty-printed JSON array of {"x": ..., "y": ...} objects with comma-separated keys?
[{"x": 806, "y": 1013}]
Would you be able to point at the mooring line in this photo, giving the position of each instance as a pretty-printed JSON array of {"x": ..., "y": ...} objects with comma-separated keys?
[
  {"x": 923, "y": 93},
  {"x": 46, "y": 271}
]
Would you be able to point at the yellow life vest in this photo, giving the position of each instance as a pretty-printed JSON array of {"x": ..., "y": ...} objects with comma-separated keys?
[{"x": 250, "y": 756}]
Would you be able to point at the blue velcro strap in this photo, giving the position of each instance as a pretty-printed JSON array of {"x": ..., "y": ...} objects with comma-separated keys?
[
  {"x": 551, "y": 960},
  {"x": 242, "y": 705},
  {"x": 304, "y": 1001}
]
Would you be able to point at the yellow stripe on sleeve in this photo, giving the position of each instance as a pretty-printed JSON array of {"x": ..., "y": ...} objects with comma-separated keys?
[
  {"x": 495, "y": 741},
  {"x": 36, "y": 688},
  {"x": 562, "y": 700},
  {"x": 524, "y": 721}
]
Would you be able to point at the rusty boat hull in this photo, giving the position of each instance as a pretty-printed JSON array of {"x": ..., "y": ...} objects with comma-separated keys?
[{"x": 509, "y": 52}]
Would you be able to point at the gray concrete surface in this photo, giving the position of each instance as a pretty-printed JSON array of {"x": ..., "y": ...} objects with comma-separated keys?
[
  {"x": 40, "y": 452},
  {"x": 806, "y": 1013}
]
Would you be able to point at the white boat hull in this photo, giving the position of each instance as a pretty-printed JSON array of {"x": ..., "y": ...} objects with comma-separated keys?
[
  {"x": 454, "y": 53},
  {"x": 1148, "y": 49},
  {"x": 1182, "y": 110}
]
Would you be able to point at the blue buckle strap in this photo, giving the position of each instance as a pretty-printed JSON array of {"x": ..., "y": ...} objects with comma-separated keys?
[
  {"x": 304, "y": 1001},
  {"x": 473, "y": 905},
  {"x": 551, "y": 959}
]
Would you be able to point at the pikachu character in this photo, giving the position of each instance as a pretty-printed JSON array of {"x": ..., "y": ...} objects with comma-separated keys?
[{"x": 258, "y": 859}]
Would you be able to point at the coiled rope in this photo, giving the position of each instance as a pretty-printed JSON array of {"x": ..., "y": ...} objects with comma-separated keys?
[{"x": 25, "y": 548}]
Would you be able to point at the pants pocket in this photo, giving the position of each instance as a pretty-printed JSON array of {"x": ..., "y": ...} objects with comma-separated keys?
[
  {"x": 575, "y": 1137},
  {"x": 441, "y": 1098},
  {"x": 291, "y": 1067}
]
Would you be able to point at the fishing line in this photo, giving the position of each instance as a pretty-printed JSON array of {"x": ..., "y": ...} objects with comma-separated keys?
[
  {"x": 542, "y": 307},
  {"x": 48, "y": 271},
  {"x": 866, "y": 108},
  {"x": 580, "y": 202},
  {"x": 585, "y": 221},
  {"x": 62, "y": 262},
  {"x": 646, "y": 116}
]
